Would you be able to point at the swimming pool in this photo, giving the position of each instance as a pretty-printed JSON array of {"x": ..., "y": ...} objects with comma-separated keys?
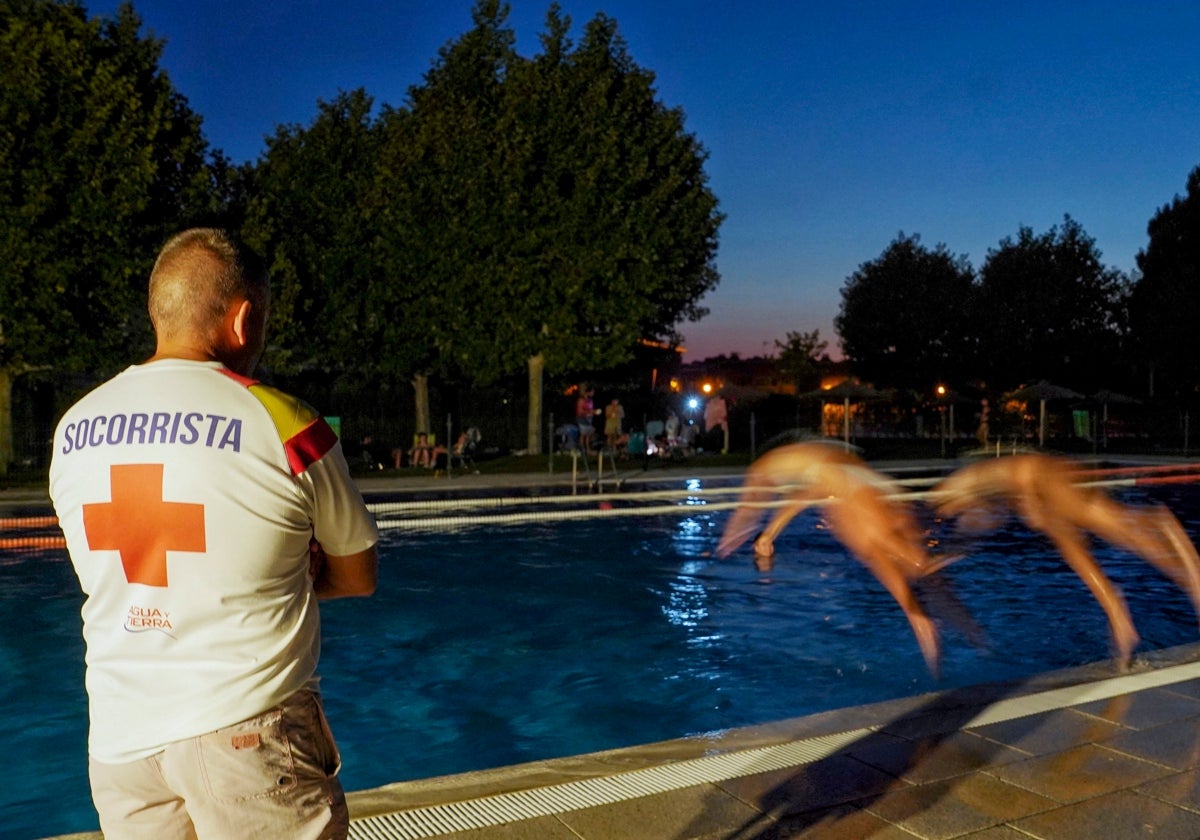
[{"x": 496, "y": 645}]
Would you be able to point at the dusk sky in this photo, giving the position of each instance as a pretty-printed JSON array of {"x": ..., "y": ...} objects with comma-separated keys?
[{"x": 830, "y": 127}]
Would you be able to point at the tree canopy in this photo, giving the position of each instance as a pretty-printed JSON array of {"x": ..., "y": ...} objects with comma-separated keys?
[
  {"x": 903, "y": 318},
  {"x": 1165, "y": 301},
  {"x": 100, "y": 160},
  {"x": 1050, "y": 309},
  {"x": 799, "y": 359},
  {"x": 310, "y": 213},
  {"x": 512, "y": 214},
  {"x": 1043, "y": 306},
  {"x": 553, "y": 204}
]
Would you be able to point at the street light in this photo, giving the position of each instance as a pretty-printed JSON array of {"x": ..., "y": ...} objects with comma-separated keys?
[{"x": 940, "y": 390}]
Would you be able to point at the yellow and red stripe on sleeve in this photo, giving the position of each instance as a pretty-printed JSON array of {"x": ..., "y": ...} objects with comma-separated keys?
[{"x": 305, "y": 435}]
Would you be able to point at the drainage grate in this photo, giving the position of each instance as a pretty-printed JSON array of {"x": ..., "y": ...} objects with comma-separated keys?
[{"x": 435, "y": 820}]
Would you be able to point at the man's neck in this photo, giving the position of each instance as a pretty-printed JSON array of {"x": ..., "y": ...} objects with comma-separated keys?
[{"x": 186, "y": 347}]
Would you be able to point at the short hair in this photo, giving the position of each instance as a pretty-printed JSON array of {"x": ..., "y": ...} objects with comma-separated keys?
[{"x": 198, "y": 273}]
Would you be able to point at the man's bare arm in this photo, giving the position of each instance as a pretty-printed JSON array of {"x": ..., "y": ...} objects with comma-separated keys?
[{"x": 352, "y": 575}]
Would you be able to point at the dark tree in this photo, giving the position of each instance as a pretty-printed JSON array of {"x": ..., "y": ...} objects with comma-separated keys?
[
  {"x": 442, "y": 192},
  {"x": 800, "y": 359},
  {"x": 1164, "y": 306},
  {"x": 561, "y": 209},
  {"x": 310, "y": 214},
  {"x": 1049, "y": 309},
  {"x": 905, "y": 316}
]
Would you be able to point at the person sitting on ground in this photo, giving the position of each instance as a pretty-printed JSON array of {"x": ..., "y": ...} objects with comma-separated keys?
[
  {"x": 368, "y": 454},
  {"x": 421, "y": 455},
  {"x": 464, "y": 441},
  {"x": 439, "y": 458},
  {"x": 467, "y": 442}
]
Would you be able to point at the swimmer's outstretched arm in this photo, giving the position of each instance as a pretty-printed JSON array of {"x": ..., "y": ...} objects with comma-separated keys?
[{"x": 743, "y": 522}]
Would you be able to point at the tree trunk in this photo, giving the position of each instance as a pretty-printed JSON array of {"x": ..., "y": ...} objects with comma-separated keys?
[
  {"x": 420, "y": 385},
  {"x": 6, "y": 426},
  {"x": 537, "y": 366}
]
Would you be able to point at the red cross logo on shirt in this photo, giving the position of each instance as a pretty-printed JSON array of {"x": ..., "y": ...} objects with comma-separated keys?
[{"x": 140, "y": 525}]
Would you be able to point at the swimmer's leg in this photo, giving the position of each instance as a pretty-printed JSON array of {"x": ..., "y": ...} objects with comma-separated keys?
[
  {"x": 896, "y": 583},
  {"x": 1071, "y": 545},
  {"x": 936, "y": 594},
  {"x": 1157, "y": 537}
]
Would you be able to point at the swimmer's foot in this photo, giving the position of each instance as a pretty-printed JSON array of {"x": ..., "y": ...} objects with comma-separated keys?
[
  {"x": 1123, "y": 644},
  {"x": 927, "y": 639},
  {"x": 764, "y": 546}
]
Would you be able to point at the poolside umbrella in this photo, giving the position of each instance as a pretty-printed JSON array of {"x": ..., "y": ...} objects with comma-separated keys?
[
  {"x": 1104, "y": 397},
  {"x": 848, "y": 392},
  {"x": 1042, "y": 391}
]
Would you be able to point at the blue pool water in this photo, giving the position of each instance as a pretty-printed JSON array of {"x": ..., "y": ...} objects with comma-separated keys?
[{"x": 496, "y": 645}]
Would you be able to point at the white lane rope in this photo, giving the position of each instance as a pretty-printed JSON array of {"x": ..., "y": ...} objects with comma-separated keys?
[
  {"x": 687, "y": 502},
  {"x": 483, "y": 502}
]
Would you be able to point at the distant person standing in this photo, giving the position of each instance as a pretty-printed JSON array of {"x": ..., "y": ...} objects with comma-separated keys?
[
  {"x": 716, "y": 414},
  {"x": 981, "y": 432},
  {"x": 205, "y": 514},
  {"x": 614, "y": 416},
  {"x": 585, "y": 410},
  {"x": 672, "y": 427}
]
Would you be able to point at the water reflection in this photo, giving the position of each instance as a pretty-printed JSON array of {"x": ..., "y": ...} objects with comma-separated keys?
[
  {"x": 687, "y": 600},
  {"x": 692, "y": 536}
]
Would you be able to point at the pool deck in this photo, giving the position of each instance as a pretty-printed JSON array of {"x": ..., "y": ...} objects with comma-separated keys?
[
  {"x": 1087, "y": 753},
  {"x": 1081, "y": 754}
]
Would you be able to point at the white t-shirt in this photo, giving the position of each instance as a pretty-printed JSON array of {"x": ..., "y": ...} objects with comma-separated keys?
[{"x": 188, "y": 495}]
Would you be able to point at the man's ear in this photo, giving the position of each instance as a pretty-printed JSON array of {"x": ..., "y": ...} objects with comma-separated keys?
[{"x": 241, "y": 323}]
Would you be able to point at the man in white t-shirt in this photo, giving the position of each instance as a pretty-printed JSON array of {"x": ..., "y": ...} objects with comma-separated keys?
[{"x": 205, "y": 515}]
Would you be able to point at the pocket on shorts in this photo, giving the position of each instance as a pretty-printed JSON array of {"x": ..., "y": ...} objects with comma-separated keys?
[
  {"x": 248, "y": 760},
  {"x": 270, "y": 754},
  {"x": 314, "y": 753}
]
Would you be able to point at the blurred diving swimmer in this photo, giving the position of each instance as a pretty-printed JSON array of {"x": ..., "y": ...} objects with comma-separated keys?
[
  {"x": 1042, "y": 491},
  {"x": 878, "y": 530}
]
